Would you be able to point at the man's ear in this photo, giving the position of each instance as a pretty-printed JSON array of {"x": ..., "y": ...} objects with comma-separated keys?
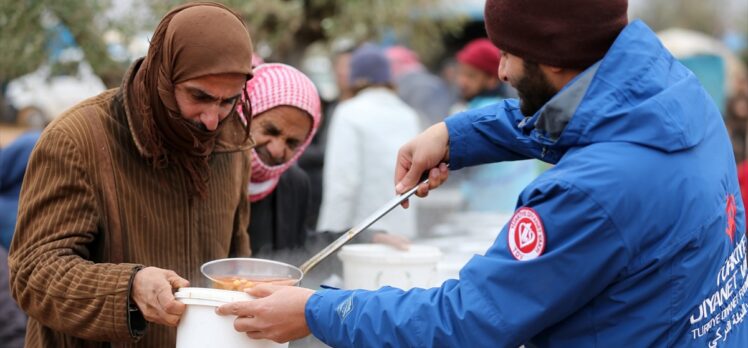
[{"x": 557, "y": 76}]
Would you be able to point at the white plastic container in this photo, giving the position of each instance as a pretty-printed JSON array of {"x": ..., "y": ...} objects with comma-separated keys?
[
  {"x": 371, "y": 266},
  {"x": 449, "y": 267},
  {"x": 200, "y": 326}
]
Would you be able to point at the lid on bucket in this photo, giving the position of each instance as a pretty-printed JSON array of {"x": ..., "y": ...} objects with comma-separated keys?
[
  {"x": 213, "y": 295},
  {"x": 379, "y": 253}
]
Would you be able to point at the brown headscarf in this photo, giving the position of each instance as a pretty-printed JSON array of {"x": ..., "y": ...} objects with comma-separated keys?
[{"x": 191, "y": 41}]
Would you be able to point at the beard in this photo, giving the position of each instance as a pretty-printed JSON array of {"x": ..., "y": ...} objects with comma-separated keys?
[{"x": 534, "y": 89}]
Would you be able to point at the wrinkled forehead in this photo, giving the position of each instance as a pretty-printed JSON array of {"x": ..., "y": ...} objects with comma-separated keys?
[{"x": 286, "y": 114}]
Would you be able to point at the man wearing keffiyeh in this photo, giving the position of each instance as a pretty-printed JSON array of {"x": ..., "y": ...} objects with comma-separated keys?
[{"x": 285, "y": 115}]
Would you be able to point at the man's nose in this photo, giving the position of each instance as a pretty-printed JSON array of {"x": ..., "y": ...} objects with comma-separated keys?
[
  {"x": 277, "y": 151},
  {"x": 210, "y": 118},
  {"x": 502, "y": 71}
]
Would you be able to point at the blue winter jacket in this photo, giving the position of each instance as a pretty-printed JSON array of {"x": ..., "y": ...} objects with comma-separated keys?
[{"x": 635, "y": 238}]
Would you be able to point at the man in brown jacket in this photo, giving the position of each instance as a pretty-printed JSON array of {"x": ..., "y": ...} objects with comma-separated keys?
[{"x": 129, "y": 192}]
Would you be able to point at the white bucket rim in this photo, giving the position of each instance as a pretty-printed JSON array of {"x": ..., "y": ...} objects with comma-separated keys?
[{"x": 210, "y": 296}]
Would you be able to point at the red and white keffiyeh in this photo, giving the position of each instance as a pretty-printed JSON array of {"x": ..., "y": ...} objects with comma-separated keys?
[{"x": 273, "y": 85}]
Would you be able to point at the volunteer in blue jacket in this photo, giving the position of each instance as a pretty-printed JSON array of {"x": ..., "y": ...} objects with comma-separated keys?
[{"x": 635, "y": 237}]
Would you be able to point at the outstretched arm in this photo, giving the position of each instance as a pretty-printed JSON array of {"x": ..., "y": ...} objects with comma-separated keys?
[{"x": 485, "y": 135}]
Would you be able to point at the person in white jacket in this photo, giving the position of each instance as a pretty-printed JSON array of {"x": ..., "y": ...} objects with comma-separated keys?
[{"x": 365, "y": 134}]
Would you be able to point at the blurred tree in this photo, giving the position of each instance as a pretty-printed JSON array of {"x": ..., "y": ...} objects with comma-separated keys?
[
  {"x": 741, "y": 26},
  {"x": 699, "y": 15},
  {"x": 25, "y": 39},
  {"x": 715, "y": 17},
  {"x": 282, "y": 28},
  {"x": 23, "y": 44},
  {"x": 86, "y": 21},
  {"x": 287, "y": 27}
]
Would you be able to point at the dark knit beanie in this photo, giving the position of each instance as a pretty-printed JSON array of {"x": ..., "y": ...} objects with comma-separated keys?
[
  {"x": 482, "y": 55},
  {"x": 568, "y": 34}
]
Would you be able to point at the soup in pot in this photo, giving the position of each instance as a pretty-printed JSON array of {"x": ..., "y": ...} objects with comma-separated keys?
[{"x": 239, "y": 283}]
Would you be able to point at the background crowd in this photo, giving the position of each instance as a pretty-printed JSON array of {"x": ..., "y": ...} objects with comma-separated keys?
[{"x": 357, "y": 91}]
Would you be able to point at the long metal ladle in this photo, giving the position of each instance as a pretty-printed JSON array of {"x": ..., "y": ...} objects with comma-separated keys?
[{"x": 346, "y": 237}]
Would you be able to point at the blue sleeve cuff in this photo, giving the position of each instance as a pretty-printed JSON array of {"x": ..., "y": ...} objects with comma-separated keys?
[
  {"x": 320, "y": 312},
  {"x": 309, "y": 309},
  {"x": 460, "y": 130}
]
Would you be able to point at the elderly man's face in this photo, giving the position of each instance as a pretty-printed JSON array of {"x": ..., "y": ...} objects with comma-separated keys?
[
  {"x": 205, "y": 101},
  {"x": 279, "y": 132}
]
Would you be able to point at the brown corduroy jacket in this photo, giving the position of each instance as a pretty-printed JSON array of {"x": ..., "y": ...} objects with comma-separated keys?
[{"x": 61, "y": 257}]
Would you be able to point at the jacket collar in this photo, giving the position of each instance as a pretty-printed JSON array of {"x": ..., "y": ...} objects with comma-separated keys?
[
  {"x": 635, "y": 94},
  {"x": 555, "y": 115}
]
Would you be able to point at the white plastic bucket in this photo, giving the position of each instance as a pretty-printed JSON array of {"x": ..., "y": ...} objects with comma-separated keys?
[
  {"x": 450, "y": 266},
  {"x": 371, "y": 266},
  {"x": 200, "y": 326}
]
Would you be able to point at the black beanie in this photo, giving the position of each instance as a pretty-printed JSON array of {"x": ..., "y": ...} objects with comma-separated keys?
[{"x": 563, "y": 33}]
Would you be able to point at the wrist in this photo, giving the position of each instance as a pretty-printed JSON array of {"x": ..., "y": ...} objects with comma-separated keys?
[
  {"x": 135, "y": 320},
  {"x": 446, "y": 154},
  {"x": 445, "y": 132}
]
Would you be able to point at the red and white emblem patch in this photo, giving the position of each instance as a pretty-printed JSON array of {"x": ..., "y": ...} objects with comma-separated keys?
[{"x": 526, "y": 235}]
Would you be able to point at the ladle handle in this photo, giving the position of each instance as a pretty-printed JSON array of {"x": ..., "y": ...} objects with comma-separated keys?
[{"x": 342, "y": 240}]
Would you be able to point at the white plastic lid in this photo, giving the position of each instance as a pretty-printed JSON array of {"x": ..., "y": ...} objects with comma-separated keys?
[
  {"x": 378, "y": 253},
  {"x": 216, "y": 296}
]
